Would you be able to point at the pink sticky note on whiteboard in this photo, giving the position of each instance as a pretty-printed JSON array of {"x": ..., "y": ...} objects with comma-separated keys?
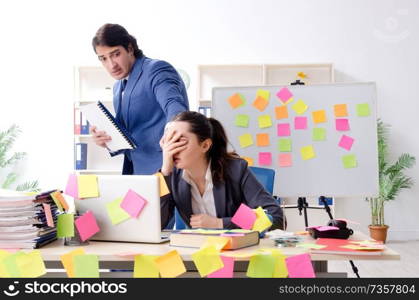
[
  {"x": 284, "y": 94},
  {"x": 72, "y": 188},
  {"x": 48, "y": 214},
  {"x": 265, "y": 158},
  {"x": 133, "y": 203},
  {"x": 300, "y": 122},
  {"x": 86, "y": 225},
  {"x": 226, "y": 271},
  {"x": 300, "y": 266},
  {"x": 285, "y": 160},
  {"x": 346, "y": 142},
  {"x": 284, "y": 129},
  {"x": 244, "y": 217},
  {"x": 342, "y": 124}
]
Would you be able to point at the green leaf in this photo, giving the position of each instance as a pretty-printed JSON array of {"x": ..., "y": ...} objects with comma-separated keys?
[
  {"x": 10, "y": 179},
  {"x": 30, "y": 186}
]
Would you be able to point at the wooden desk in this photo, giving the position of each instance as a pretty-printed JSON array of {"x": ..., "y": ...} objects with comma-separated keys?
[{"x": 109, "y": 258}]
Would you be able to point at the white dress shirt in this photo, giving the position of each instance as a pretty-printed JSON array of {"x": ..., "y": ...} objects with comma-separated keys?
[{"x": 202, "y": 204}]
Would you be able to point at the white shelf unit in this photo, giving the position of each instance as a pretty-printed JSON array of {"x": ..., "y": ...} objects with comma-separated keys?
[
  {"x": 210, "y": 76},
  {"x": 93, "y": 83}
]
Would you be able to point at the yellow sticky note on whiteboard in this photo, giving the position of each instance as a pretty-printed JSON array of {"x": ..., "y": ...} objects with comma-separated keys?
[
  {"x": 87, "y": 185},
  {"x": 307, "y": 152},
  {"x": 245, "y": 140}
]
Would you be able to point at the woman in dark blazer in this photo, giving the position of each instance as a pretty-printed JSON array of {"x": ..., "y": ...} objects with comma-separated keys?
[{"x": 206, "y": 182}]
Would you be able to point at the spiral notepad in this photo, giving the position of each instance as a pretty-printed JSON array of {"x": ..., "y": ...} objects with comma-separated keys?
[{"x": 98, "y": 115}]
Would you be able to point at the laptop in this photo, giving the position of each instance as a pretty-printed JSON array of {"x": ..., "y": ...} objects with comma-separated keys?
[{"x": 146, "y": 228}]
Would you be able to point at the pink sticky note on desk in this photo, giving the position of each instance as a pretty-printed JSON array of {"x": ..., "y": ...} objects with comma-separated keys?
[
  {"x": 265, "y": 158},
  {"x": 342, "y": 124},
  {"x": 284, "y": 129},
  {"x": 284, "y": 94},
  {"x": 300, "y": 266},
  {"x": 346, "y": 142},
  {"x": 327, "y": 228},
  {"x": 72, "y": 187},
  {"x": 244, "y": 217},
  {"x": 48, "y": 214},
  {"x": 133, "y": 203},
  {"x": 300, "y": 122},
  {"x": 226, "y": 271},
  {"x": 86, "y": 225}
]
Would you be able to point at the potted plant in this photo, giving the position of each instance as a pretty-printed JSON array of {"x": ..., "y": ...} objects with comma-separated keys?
[
  {"x": 391, "y": 181},
  {"x": 7, "y": 139}
]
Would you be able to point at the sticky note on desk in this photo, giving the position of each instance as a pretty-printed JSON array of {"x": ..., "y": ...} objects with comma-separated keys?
[
  {"x": 346, "y": 142},
  {"x": 218, "y": 242},
  {"x": 244, "y": 217},
  {"x": 262, "y": 221},
  {"x": 67, "y": 261},
  {"x": 87, "y": 186},
  {"x": 164, "y": 189},
  {"x": 133, "y": 203},
  {"x": 170, "y": 265},
  {"x": 86, "y": 225},
  {"x": 264, "y": 121},
  {"x": 245, "y": 140},
  {"x": 10, "y": 266},
  {"x": 307, "y": 152},
  {"x": 86, "y": 266},
  {"x": 115, "y": 212},
  {"x": 226, "y": 271},
  {"x": 145, "y": 266},
  {"x": 65, "y": 225},
  {"x": 207, "y": 260},
  {"x": 300, "y": 266},
  {"x": 280, "y": 267},
  {"x": 242, "y": 121},
  {"x": 261, "y": 266},
  {"x": 31, "y": 264},
  {"x": 71, "y": 188},
  {"x": 300, "y": 107},
  {"x": 342, "y": 125},
  {"x": 284, "y": 94},
  {"x": 363, "y": 110}
]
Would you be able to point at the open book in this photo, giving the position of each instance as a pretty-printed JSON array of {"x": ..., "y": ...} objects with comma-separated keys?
[{"x": 98, "y": 115}]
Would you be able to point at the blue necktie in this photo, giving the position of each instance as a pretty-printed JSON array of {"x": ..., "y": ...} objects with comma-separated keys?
[{"x": 119, "y": 115}]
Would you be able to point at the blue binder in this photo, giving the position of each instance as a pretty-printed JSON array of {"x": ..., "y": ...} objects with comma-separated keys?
[{"x": 81, "y": 156}]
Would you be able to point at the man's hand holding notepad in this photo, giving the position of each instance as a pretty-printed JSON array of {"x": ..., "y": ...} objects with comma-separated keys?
[{"x": 100, "y": 117}]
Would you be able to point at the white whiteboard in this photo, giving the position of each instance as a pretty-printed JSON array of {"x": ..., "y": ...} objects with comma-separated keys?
[{"x": 325, "y": 174}]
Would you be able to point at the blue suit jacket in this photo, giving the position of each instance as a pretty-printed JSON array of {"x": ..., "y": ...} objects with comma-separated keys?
[{"x": 153, "y": 95}]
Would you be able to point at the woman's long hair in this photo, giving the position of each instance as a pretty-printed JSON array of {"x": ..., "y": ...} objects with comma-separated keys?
[{"x": 210, "y": 128}]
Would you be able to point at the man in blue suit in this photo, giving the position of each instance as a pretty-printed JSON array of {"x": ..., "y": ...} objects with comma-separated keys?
[{"x": 147, "y": 94}]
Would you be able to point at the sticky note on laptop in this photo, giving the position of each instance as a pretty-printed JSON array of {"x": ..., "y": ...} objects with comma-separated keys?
[{"x": 133, "y": 203}]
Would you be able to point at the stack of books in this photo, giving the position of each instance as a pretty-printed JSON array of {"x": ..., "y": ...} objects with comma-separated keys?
[{"x": 23, "y": 222}]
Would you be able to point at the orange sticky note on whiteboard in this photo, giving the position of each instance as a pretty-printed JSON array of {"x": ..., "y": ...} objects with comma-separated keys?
[
  {"x": 260, "y": 103},
  {"x": 235, "y": 100},
  {"x": 262, "y": 139},
  {"x": 281, "y": 112},
  {"x": 249, "y": 160},
  {"x": 340, "y": 110},
  {"x": 319, "y": 116}
]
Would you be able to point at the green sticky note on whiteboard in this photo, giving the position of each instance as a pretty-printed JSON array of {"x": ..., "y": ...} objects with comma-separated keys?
[
  {"x": 349, "y": 161},
  {"x": 86, "y": 266},
  {"x": 65, "y": 225},
  {"x": 319, "y": 134},
  {"x": 284, "y": 145},
  {"x": 115, "y": 212},
  {"x": 246, "y": 140},
  {"x": 261, "y": 266},
  {"x": 242, "y": 121},
  {"x": 265, "y": 121},
  {"x": 363, "y": 110}
]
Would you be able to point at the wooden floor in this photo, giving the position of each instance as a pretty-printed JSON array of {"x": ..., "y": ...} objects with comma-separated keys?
[{"x": 407, "y": 266}]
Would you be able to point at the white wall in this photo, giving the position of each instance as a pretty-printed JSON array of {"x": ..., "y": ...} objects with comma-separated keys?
[{"x": 366, "y": 40}]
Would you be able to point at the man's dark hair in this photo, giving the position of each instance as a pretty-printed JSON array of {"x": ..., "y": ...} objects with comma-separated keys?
[{"x": 112, "y": 35}]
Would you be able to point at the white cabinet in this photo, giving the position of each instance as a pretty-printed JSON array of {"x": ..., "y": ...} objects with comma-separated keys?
[{"x": 93, "y": 83}]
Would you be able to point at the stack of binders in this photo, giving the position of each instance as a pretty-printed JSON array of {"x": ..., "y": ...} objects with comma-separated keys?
[{"x": 24, "y": 222}]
